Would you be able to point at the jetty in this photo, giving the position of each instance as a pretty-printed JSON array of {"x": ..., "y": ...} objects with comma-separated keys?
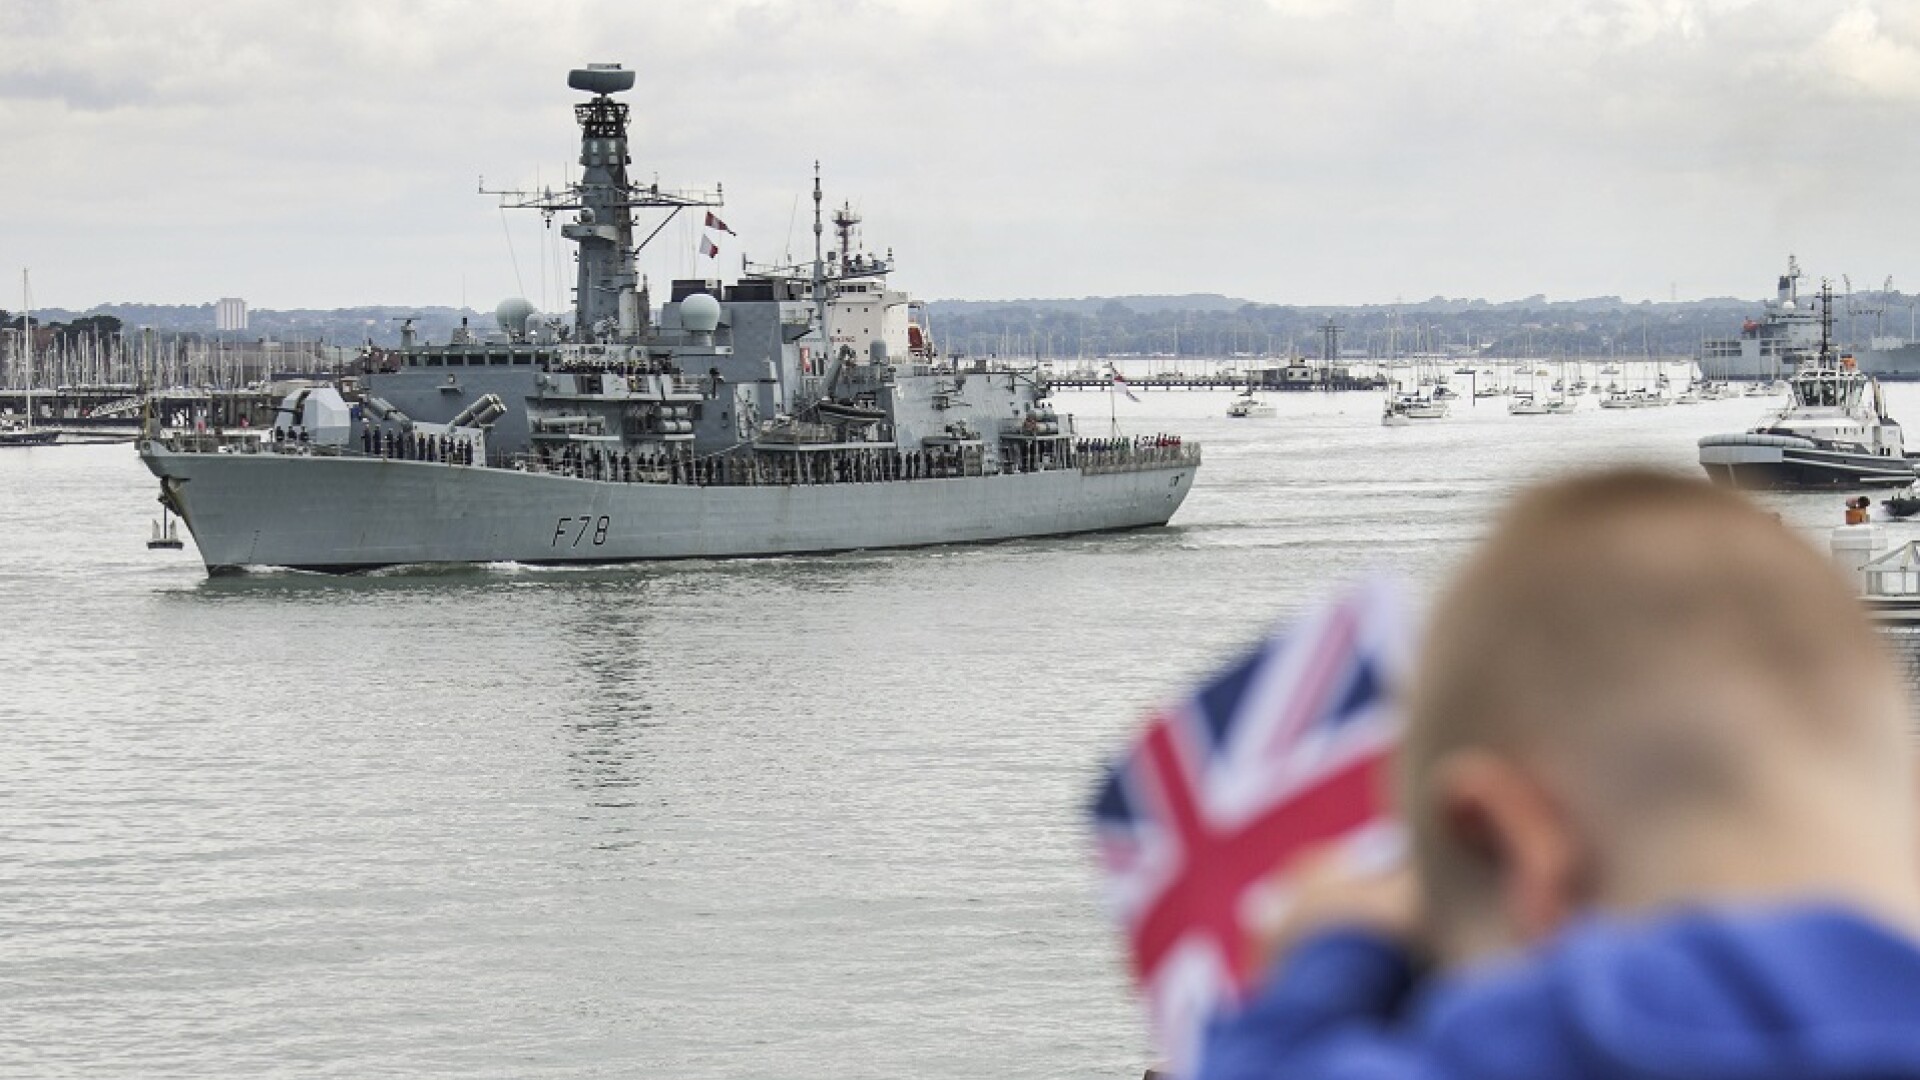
[{"x": 119, "y": 409}]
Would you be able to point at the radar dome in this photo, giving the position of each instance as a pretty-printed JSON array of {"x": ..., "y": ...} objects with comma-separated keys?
[
  {"x": 699, "y": 313},
  {"x": 512, "y": 315},
  {"x": 600, "y": 79}
]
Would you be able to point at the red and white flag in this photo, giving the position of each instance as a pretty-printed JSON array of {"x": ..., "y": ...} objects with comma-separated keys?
[
  {"x": 708, "y": 247},
  {"x": 1199, "y": 822},
  {"x": 714, "y": 222},
  {"x": 1120, "y": 383}
]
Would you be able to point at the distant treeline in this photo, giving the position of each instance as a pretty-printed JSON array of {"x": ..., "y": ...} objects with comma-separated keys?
[
  {"x": 338, "y": 326},
  {"x": 1534, "y": 326},
  {"x": 1197, "y": 325},
  {"x": 73, "y": 329}
]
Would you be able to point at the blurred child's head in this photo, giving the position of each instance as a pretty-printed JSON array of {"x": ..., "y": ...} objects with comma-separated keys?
[{"x": 1644, "y": 692}]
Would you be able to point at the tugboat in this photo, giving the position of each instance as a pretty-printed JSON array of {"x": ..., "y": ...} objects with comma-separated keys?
[{"x": 1835, "y": 430}]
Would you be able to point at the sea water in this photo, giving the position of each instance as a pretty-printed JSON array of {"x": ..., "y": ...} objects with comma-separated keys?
[{"x": 699, "y": 820}]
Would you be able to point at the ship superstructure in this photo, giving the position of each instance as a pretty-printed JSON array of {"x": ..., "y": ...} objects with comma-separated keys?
[
  {"x": 802, "y": 408},
  {"x": 1770, "y": 347},
  {"x": 1787, "y": 334}
]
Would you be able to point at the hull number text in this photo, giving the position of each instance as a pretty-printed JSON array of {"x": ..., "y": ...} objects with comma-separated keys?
[{"x": 572, "y": 532}]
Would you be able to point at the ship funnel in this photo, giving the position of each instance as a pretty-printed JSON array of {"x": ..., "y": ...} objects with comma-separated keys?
[{"x": 600, "y": 79}]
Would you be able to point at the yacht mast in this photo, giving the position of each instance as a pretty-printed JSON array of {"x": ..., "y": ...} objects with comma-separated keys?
[{"x": 26, "y": 339}]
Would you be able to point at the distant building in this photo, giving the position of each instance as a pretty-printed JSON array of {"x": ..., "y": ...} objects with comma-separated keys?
[{"x": 230, "y": 313}]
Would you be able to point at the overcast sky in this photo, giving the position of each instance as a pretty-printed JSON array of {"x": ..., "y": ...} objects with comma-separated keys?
[{"x": 321, "y": 153}]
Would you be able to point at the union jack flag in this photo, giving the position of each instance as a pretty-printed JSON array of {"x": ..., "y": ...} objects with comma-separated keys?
[{"x": 1284, "y": 751}]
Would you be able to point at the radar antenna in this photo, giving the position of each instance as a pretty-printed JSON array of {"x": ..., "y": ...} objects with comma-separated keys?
[
  {"x": 844, "y": 220},
  {"x": 607, "y": 300}
]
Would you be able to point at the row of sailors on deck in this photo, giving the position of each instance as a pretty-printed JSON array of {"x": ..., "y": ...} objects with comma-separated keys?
[
  {"x": 410, "y": 445},
  {"x": 1137, "y": 448},
  {"x": 866, "y": 466},
  {"x": 877, "y": 465}
]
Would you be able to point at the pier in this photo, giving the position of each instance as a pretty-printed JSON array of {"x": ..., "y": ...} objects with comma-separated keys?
[{"x": 120, "y": 408}]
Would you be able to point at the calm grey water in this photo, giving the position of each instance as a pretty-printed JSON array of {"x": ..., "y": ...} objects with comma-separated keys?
[{"x": 797, "y": 817}]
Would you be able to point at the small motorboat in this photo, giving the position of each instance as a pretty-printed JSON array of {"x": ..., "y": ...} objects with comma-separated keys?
[
  {"x": 1246, "y": 406},
  {"x": 1904, "y": 503},
  {"x": 14, "y": 433},
  {"x": 1406, "y": 408}
]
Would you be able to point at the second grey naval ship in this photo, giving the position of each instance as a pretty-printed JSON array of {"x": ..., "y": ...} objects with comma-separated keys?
[
  {"x": 1787, "y": 334},
  {"x": 801, "y": 409}
]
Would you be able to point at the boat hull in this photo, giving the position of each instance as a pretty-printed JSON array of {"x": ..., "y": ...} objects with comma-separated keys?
[
  {"x": 1779, "y": 462},
  {"x": 346, "y": 513}
]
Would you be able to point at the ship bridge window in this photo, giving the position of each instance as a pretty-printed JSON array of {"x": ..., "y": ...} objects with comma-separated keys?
[
  {"x": 435, "y": 361},
  {"x": 456, "y": 361}
]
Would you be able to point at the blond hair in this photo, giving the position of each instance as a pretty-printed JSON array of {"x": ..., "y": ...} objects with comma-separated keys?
[{"x": 1641, "y": 629}]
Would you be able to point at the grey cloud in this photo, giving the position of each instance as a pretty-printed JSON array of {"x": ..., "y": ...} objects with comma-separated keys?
[{"x": 1281, "y": 149}]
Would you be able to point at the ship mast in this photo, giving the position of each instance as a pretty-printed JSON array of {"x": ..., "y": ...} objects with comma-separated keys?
[
  {"x": 819, "y": 265},
  {"x": 1826, "y": 359},
  {"x": 609, "y": 303},
  {"x": 844, "y": 219}
]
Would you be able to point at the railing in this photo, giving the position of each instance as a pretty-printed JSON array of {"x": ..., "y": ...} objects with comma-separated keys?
[
  {"x": 440, "y": 449},
  {"x": 879, "y": 464},
  {"x": 800, "y": 432},
  {"x": 1117, "y": 456}
]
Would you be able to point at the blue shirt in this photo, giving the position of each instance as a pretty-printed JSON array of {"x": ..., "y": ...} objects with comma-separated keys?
[{"x": 1755, "y": 994}]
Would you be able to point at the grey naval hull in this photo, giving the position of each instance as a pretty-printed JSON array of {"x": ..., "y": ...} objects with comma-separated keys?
[
  {"x": 1894, "y": 363},
  {"x": 342, "y": 514}
]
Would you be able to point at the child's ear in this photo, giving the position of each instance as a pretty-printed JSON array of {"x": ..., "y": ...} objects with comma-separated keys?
[{"x": 1497, "y": 814}]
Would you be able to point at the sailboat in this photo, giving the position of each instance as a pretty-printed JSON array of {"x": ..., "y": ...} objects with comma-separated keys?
[
  {"x": 14, "y": 432},
  {"x": 1527, "y": 402},
  {"x": 1693, "y": 394},
  {"x": 1567, "y": 399},
  {"x": 1403, "y": 407}
]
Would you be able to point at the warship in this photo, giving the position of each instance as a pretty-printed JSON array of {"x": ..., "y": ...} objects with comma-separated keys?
[
  {"x": 801, "y": 409},
  {"x": 1787, "y": 334}
]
